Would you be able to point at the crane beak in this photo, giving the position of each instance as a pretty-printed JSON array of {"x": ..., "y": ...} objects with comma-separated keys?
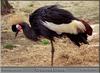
[{"x": 16, "y": 34}]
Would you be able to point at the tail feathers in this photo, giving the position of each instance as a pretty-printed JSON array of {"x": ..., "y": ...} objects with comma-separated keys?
[
  {"x": 78, "y": 39},
  {"x": 89, "y": 30},
  {"x": 83, "y": 38}
]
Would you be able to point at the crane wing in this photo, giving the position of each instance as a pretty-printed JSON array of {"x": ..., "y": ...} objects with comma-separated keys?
[{"x": 56, "y": 15}]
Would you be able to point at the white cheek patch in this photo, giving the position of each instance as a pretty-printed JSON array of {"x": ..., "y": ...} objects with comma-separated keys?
[
  {"x": 17, "y": 26},
  {"x": 65, "y": 28}
]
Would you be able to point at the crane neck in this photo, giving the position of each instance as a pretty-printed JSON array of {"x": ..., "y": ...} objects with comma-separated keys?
[{"x": 28, "y": 31}]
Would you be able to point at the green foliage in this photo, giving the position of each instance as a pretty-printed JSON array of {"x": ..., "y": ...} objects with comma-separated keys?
[
  {"x": 9, "y": 46},
  {"x": 44, "y": 42}
]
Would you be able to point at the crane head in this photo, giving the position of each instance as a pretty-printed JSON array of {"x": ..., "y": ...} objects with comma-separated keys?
[{"x": 16, "y": 28}]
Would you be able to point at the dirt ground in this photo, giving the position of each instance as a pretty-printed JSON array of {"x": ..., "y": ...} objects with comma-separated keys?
[{"x": 23, "y": 52}]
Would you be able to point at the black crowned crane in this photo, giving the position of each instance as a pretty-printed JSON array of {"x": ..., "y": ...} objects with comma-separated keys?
[{"x": 50, "y": 22}]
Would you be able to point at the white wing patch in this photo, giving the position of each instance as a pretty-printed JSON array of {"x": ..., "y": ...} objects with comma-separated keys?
[{"x": 65, "y": 28}]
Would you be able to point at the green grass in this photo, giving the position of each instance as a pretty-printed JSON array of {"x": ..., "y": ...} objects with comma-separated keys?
[
  {"x": 44, "y": 42},
  {"x": 9, "y": 46}
]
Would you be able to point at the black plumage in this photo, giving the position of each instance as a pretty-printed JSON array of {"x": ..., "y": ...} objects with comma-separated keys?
[{"x": 56, "y": 16}]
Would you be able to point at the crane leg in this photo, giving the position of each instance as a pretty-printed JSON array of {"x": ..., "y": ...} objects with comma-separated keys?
[{"x": 52, "y": 53}]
